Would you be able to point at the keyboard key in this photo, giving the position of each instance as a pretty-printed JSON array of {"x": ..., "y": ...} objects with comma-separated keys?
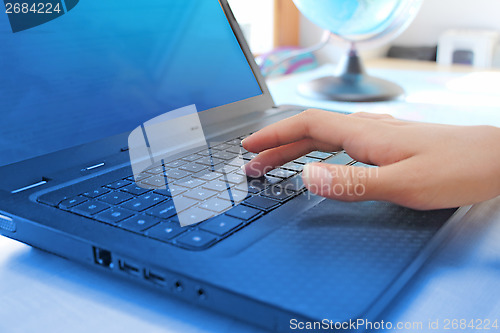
[
  {"x": 139, "y": 177},
  {"x": 293, "y": 184},
  {"x": 113, "y": 215},
  {"x": 90, "y": 208},
  {"x": 53, "y": 198},
  {"x": 175, "y": 164},
  {"x": 305, "y": 160},
  {"x": 196, "y": 239},
  {"x": 293, "y": 167},
  {"x": 183, "y": 203},
  {"x": 204, "y": 152},
  {"x": 339, "y": 159},
  {"x": 156, "y": 170},
  {"x": 115, "y": 197},
  {"x": 96, "y": 193},
  {"x": 215, "y": 185},
  {"x": 194, "y": 215},
  {"x": 144, "y": 202},
  {"x": 255, "y": 185},
  {"x": 272, "y": 180},
  {"x": 234, "y": 149},
  {"x": 154, "y": 182},
  {"x": 165, "y": 230},
  {"x": 222, "y": 146},
  {"x": 171, "y": 191},
  {"x": 176, "y": 174},
  {"x": 191, "y": 158},
  {"x": 240, "y": 172},
  {"x": 189, "y": 183},
  {"x": 208, "y": 161},
  {"x": 134, "y": 189},
  {"x": 193, "y": 167},
  {"x": 262, "y": 203},
  {"x": 217, "y": 205},
  {"x": 237, "y": 162},
  {"x": 207, "y": 175},
  {"x": 280, "y": 173},
  {"x": 319, "y": 155},
  {"x": 221, "y": 225},
  {"x": 234, "y": 142},
  {"x": 165, "y": 210},
  {"x": 243, "y": 212},
  {"x": 68, "y": 203},
  {"x": 226, "y": 169},
  {"x": 253, "y": 189},
  {"x": 236, "y": 196},
  {"x": 233, "y": 178},
  {"x": 139, "y": 223},
  {"x": 278, "y": 193},
  {"x": 224, "y": 155},
  {"x": 249, "y": 156},
  {"x": 200, "y": 194},
  {"x": 118, "y": 184}
]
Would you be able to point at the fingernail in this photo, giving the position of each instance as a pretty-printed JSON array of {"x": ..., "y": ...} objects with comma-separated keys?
[{"x": 316, "y": 176}]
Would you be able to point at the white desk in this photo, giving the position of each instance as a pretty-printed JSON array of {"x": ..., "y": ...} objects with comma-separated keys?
[
  {"x": 463, "y": 280},
  {"x": 450, "y": 95},
  {"x": 43, "y": 293}
]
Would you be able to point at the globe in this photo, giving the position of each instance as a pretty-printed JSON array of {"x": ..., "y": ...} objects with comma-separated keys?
[{"x": 369, "y": 22}]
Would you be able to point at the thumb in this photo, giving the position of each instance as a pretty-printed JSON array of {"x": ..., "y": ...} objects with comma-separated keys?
[{"x": 350, "y": 183}]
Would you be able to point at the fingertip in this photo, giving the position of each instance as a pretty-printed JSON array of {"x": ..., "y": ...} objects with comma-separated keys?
[
  {"x": 244, "y": 142},
  {"x": 250, "y": 170},
  {"x": 316, "y": 177},
  {"x": 248, "y": 143}
]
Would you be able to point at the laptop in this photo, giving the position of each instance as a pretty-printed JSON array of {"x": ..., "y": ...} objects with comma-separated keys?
[{"x": 76, "y": 85}]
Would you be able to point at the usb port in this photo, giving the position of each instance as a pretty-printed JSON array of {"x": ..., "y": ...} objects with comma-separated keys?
[
  {"x": 128, "y": 267},
  {"x": 154, "y": 277}
]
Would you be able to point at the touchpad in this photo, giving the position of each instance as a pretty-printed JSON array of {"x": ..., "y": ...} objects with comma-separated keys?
[
  {"x": 349, "y": 251},
  {"x": 369, "y": 216}
]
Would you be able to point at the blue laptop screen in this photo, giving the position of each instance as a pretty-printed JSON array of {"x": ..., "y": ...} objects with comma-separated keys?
[{"x": 98, "y": 68}]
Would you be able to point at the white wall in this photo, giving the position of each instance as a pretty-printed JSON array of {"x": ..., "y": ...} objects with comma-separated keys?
[
  {"x": 256, "y": 20},
  {"x": 435, "y": 17}
]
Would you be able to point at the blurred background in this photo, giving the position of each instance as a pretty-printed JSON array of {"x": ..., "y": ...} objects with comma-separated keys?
[{"x": 444, "y": 31}]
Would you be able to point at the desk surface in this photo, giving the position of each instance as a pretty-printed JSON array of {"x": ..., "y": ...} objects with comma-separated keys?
[
  {"x": 441, "y": 94},
  {"x": 40, "y": 292}
]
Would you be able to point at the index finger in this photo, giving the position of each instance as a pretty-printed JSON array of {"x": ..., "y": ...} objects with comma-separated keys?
[{"x": 323, "y": 126}]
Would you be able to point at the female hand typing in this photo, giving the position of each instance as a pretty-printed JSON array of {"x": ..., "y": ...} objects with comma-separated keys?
[{"x": 422, "y": 166}]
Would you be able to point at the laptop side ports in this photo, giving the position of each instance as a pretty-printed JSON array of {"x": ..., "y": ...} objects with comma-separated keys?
[
  {"x": 128, "y": 267},
  {"x": 103, "y": 257},
  {"x": 155, "y": 277}
]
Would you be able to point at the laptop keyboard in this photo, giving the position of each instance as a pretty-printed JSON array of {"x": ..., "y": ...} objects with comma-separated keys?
[{"x": 202, "y": 196}]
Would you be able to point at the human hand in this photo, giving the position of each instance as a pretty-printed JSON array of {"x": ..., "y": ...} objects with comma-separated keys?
[{"x": 422, "y": 166}]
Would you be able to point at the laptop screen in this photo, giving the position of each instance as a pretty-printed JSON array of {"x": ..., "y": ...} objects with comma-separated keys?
[{"x": 100, "y": 68}]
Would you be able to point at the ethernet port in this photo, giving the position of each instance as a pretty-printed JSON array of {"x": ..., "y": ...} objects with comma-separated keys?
[{"x": 103, "y": 257}]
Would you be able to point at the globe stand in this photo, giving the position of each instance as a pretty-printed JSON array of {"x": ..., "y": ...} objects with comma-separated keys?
[{"x": 353, "y": 84}]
